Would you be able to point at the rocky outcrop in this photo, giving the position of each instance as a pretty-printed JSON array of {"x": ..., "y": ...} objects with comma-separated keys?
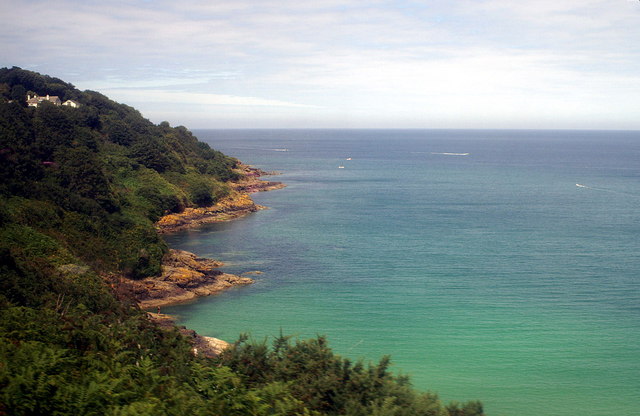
[
  {"x": 237, "y": 204},
  {"x": 251, "y": 182},
  {"x": 233, "y": 206},
  {"x": 260, "y": 186},
  {"x": 209, "y": 346},
  {"x": 184, "y": 277}
]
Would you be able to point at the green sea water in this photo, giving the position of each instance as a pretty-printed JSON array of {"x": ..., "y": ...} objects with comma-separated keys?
[{"x": 502, "y": 266}]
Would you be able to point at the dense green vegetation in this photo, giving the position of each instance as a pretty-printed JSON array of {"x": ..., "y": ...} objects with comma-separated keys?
[
  {"x": 94, "y": 178},
  {"x": 80, "y": 189}
]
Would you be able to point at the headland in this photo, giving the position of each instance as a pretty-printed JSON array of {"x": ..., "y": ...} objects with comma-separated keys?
[{"x": 235, "y": 205}]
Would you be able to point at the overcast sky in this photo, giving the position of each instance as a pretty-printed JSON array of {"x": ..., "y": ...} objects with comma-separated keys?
[{"x": 342, "y": 63}]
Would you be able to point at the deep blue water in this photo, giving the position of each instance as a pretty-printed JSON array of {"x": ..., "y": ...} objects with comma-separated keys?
[{"x": 494, "y": 265}]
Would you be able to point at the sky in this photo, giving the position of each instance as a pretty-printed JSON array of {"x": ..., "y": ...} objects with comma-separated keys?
[{"x": 551, "y": 64}]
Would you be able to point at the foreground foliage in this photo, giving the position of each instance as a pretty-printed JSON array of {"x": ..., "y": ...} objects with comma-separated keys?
[{"x": 80, "y": 189}]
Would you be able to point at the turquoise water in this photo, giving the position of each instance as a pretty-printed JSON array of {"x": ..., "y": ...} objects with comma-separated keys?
[{"x": 489, "y": 275}]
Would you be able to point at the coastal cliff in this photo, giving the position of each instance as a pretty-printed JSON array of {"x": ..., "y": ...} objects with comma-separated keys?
[{"x": 86, "y": 192}]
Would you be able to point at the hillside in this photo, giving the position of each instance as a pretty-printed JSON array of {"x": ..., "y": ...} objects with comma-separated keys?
[{"x": 81, "y": 187}]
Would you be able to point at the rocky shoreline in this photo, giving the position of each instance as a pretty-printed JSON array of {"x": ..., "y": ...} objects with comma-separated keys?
[
  {"x": 185, "y": 276},
  {"x": 237, "y": 204}
]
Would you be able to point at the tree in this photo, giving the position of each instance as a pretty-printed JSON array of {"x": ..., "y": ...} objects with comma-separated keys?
[
  {"x": 201, "y": 193},
  {"x": 19, "y": 94},
  {"x": 152, "y": 153}
]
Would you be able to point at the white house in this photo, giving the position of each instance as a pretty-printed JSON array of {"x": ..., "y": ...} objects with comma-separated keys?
[
  {"x": 71, "y": 103},
  {"x": 35, "y": 100}
]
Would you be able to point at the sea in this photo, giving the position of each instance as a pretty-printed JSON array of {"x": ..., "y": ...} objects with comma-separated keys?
[{"x": 492, "y": 265}]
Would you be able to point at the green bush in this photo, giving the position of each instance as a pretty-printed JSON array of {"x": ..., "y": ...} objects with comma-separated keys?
[
  {"x": 332, "y": 385},
  {"x": 201, "y": 193}
]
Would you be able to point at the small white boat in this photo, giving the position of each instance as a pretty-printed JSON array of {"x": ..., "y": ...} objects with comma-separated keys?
[
  {"x": 348, "y": 158},
  {"x": 450, "y": 154},
  {"x": 340, "y": 167}
]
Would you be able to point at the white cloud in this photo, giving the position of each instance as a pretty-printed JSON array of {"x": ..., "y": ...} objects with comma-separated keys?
[
  {"x": 337, "y": 61},
  {"x": 195, "y": 99}
]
